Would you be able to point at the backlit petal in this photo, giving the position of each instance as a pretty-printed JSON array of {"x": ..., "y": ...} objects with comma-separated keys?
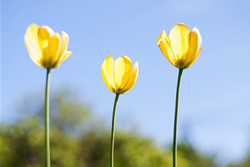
[
  {"x": 132, "y": 79},
  {"x": 195, "y": 47},
  {"x": 165, "y": 47},
  {"x": 162, "y": 44},
  {"x": 123, "y": 68},
  {"x": 108, "y": 73},
  {"x": 63, "y": 47},
  {"x": 106, "y": 81},
  {"x": 32, "y": 44},
  {"x": 179, "y": 40},
  {"x": 195, "y": 29},
  {"x": 51, "y": 51},
  {"x": 43, "y": 40},
  {"x": 161, "y": 37},
  {"x": 45, "y": 47},
  {"x": 199, "y": 41},
  {"x": 44, "y": 34},
  {"x": 66, "y": 55},
  {"x": 182, "y": 47},
  {"x": 34, "y": 59}
]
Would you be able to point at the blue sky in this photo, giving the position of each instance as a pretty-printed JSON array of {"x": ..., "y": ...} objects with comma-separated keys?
[{"x": 214, "y": 108}]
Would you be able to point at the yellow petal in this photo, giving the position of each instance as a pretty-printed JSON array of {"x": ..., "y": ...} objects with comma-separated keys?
[
  {"x": 45, "y": 46},
  {"x": 199, "y": 41},
  {"x": 44, "y": 34},
  {"x": 123, "y": 68},
  {"x": 106, "y": 82},
  {"x": 132, "y": 79},
  {"x": 179, "y": 40},
  {"x": 161, "y": 37},
  {"x": 194, "y": 47},
  {"x": 64, "y": 45},
  {"x": 51, "y": 51},
  {"x": 108, "y": 73},
  {"x": 32, "y": 44},
  {"x": 66, "y": 55},
  {"x": 47, "y": 29},
  {"x": 165, "y": 47}
]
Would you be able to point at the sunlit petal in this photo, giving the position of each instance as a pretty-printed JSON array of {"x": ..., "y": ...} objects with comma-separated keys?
[
  {"x": 66, "y": 55},
  {"x": 45, "y": 47},
  {"x": 51, "y": 51},
  {"x": 63, "y": 47},
  {"x": 179, "y": 40},
  {"x": 32, "y": 44},
  {"x": 108, "y": 73},
  {"x": 193, "y": 47},
  {"x": 167, "y": 51},
  {"x": 161, "y": 37},
  {"x": 119, "y": 75},
  {"x": 132, "y": 79},
  {"x": 106, "y": 80},
  {"x": 183, "y": 47},
  {"x": 123, "y": 68},
  {"x": 199, "y": 41}
]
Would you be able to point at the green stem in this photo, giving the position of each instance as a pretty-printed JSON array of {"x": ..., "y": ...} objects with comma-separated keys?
[
  {"x": 175, "y": 119},
  {"x": 113, "y": 132},
  {"x": 47, "y": 147}
]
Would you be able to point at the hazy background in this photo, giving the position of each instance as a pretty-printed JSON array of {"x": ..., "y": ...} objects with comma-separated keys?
[{"x": 214, "y": 110}]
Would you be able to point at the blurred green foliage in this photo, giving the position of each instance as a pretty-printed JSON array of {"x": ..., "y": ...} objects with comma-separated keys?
[{"x": 78, "y": 140}]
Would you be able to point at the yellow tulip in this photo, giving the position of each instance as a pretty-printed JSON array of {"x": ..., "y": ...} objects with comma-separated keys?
[
  {"x": 46, "y": 48},
  {"x": 119, "y": 75},
  {"x": 181, "y": 47}
]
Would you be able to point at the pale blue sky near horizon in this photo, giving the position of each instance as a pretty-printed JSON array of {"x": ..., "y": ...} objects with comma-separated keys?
[{"x": 214, "y": 108}]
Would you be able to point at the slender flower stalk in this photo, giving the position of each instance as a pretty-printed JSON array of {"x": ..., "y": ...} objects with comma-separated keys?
[
  {"x": 182, "y": 47},
  {"x": 47, "y": 50},
  {"x": 113, "y": 132},
  {"x": 119, "y": 77},
  {"x": 175, "y": 119},
  {"x": 47, "y": 144}
]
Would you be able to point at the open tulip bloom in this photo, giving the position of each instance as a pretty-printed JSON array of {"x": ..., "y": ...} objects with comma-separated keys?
[
  {"x": 182, "y": 47},
  {"x": 48, "y": 50},
  {"x": 119, "y": 77}
]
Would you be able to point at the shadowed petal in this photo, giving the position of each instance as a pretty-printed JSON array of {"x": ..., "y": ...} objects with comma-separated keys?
[
  {"x": 195, "y": 47},
  {"x": 132, "y": 79},
  {"x": 51, "y": 51}
]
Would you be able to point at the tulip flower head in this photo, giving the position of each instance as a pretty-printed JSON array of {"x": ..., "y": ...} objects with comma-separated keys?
[
  {"x": 46, "y": 48},
  {"x": 181, "y": 47},
  {"x": 119, "y": 75}
]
